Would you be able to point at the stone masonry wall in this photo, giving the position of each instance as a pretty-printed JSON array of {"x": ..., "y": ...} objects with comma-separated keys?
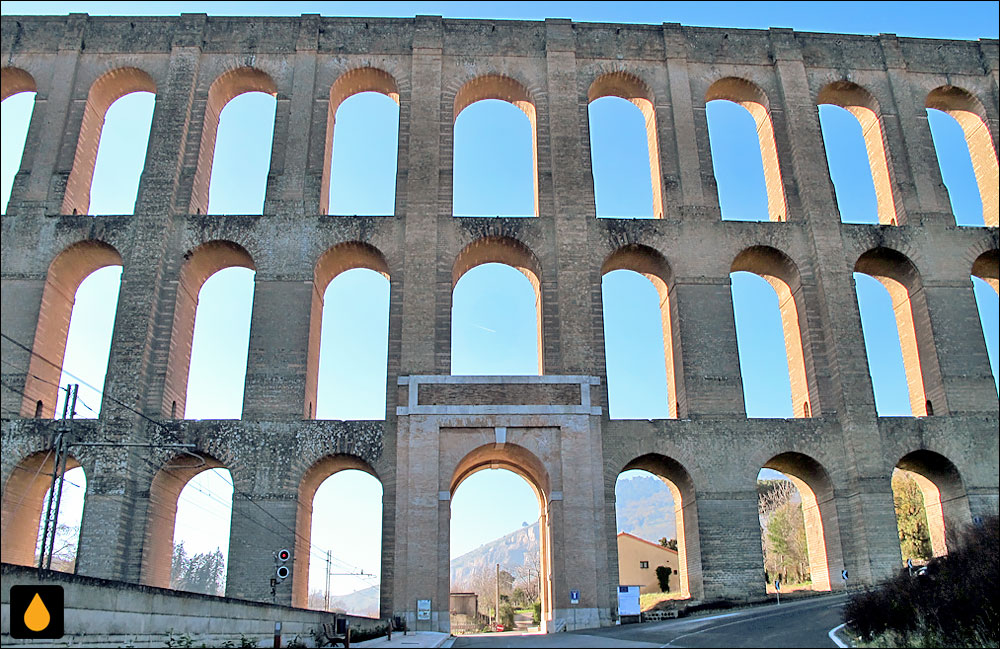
[{"x": 711, "y": 454}]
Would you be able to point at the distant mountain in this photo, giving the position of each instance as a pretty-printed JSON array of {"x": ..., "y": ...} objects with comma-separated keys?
[
  {"x": 510, "y": 551},
  {"x": 360, "y": 602},
  {"x": 645, "y": 509}
]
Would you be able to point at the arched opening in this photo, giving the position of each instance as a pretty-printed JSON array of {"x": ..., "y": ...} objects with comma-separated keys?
[
  {"x": 243, "y": 144},
  {"x": 514, "y": 532},
  {"x": 900, "y": 310},
  {"x": 648, "y": 555},
  {"x": 224, "y": 326},
  {"x": 850, "y": 169},
  {"x": 800, "y": 531},
  {"x": 637, "y": 516},
  {"x": 348, "y": 334},
  {"x": 623, "y": 127},
  {"x": 764, "y": 366},
  {"x": 17, "y": 102},
  {"x": 220, "y": 345},
  {"x": 25, "y": 505},
  {"x": 88, "y": 342},
  {"x": 931, "y": 504},
  {"x": 496, "y": 321},
  {"x": 201, "y": 533},
  {"x": 486, "y": 533},
  {"x": 359, "y": 174},
  {"x": 346, "y": 577},
  {"x": 121, "y": 154},
  {"x": 769, "y": 310},
  {"x": 344, "y": 493},
  {"x": 127, "y": 146},
  {"x": 865, "y": 109},
  {"x": 978, "y": 152},
  {"x": 638, "y": 317},
  {"x": 65, "y": 276},
  {"x": 986, "y": 284},
  {"x": 188, "y": 517},
  {"x": 487, "y": 118},
  {"x": 739, "y": 139}
]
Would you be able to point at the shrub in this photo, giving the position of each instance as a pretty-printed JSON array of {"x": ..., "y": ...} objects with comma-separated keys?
[
  {"x": 663, "y": 576},
  {"x": 536, "y": 612},
  {"x": 953, "y": 604}
]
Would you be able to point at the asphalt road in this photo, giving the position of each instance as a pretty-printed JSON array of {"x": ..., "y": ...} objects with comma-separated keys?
[{"x": 803, "y": 623}]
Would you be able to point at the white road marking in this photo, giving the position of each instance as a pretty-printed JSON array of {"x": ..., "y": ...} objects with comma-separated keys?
[
  {"x": 833, "y": 636},
  {"x": 750, "y": 611}
]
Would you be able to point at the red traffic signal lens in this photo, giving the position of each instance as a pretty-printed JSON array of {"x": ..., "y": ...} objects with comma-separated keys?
[{"x": 283, "y": 555}]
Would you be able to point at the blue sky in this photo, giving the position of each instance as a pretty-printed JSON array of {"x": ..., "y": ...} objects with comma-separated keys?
[{"x": 493, "y": 330}]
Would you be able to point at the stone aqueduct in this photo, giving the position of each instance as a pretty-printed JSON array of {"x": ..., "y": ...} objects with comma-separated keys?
[{"x": 553, "y": 429}]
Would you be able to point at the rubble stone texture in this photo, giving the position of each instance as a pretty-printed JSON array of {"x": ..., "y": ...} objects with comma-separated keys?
[{"x": 553, "y": 429}]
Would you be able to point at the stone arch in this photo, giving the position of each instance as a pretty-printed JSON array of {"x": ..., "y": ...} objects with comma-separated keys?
[
  {"x": 902, "y": 280},
  {"x": 945, "y": 499},
  {"x": 860, "y": 103},
  {"x": 350, "y": 83},
  {"x": 504, "y": 88},
  {"x": 311, "y": 481},
  {"x": 970, "y": 114},
  {"x": 987, "y": 268},
  {"x": 750, "y": 96},
  {"x": 819, "y": 509},
  {"x": 633, "y": 89},
  {"x": 653, "y": 266},
  {"x": 778, "y": 270},
  {"x": 161, "y": 514},
  {"x": 681, "y": 486},
  {"x": 199, "y": 264},
  {"x": 509, "y": 251},
  {"x": 108, "y": 88},
  {"x": 14, "y": 80},
  {"x": 338, "y": 259},
  {"x": 227, "y": 87},
  {"x": 527, "y": 465},
  {"x": 66, "y": 272},
  {"x": 23, "y": 499}
]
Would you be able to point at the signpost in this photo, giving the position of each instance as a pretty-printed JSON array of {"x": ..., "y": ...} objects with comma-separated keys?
[
  {"x": 574, "y": 598},
  {"x": 777, "y": 590},
  {"x": 843, "y": 575}
]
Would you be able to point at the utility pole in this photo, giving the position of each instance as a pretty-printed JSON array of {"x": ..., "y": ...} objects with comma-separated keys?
[
  {"x": 58, "y": 470},
  {"x": 496, "y": 610},
  {"x": 329, "y": 557}
]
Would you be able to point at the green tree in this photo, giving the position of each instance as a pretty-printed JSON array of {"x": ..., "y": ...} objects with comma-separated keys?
[
  {"x": 670, "y": 544},
  {"x": 663, "y": 576},
  {"x": 199, "y": 573},
  {"x": 786, "y": 543},
  {"x": 911, "y": 517}
]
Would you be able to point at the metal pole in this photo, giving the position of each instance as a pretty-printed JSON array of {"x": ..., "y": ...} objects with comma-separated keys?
[
  {"x": 496, "y": 610},
  {"x": 59, "y": 489},
  {"x": 52, "y": 486},
  {"x": 329, "y": 555}
]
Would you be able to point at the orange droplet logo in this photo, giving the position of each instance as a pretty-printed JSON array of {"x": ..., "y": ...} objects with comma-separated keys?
[{"x": 36, "y": 616}]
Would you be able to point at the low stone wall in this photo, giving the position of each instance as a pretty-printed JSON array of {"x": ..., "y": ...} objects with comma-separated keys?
[{"x": 104, "y": 613}]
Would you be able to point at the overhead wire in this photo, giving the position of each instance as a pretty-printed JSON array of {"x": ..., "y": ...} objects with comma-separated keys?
[{"x": 247, "y": 497}]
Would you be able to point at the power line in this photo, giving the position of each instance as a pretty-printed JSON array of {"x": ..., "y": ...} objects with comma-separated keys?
[{"x": 245, "y": 496}]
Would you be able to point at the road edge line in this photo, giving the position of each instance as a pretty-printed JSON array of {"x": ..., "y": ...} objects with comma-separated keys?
[{"x": 833, "y": 636}]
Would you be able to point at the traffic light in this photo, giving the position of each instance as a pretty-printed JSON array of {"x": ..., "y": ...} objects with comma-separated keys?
[{"x": 282, "y": 571}]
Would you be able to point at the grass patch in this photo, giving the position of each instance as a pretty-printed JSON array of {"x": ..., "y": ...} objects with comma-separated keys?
[{"x": 648, "y": 601}]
